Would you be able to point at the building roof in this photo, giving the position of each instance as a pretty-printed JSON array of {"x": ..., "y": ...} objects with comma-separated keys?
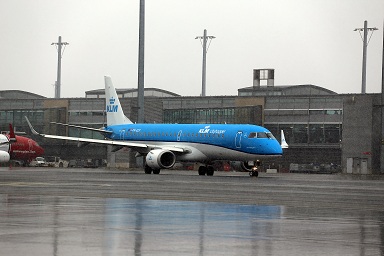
[
  {"x": 17, "y": 94},
  {"x": 131, "y": 92},
  {"x": 286, "y": 90}
]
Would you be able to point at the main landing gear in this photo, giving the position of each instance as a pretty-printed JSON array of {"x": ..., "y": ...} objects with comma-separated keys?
[
  {"x": 206, "y": 170},
  {"x": 149, "y": 170}
]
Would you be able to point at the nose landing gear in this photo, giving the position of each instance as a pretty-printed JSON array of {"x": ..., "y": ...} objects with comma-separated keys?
[{"x": 254, "y": 171}]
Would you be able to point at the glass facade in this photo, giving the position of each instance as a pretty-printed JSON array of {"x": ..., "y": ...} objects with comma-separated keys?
[
  {"x": 314, "y": 134},
  {"x": 82, "y": 133},
  {"x": 305, "y": 120},
  {"x": 251, "y": 115},
  {"x": 16, "y": 118}
]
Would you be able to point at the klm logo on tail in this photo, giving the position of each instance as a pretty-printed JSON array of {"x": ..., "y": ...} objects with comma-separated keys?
[{"x": 112, "y": 107}]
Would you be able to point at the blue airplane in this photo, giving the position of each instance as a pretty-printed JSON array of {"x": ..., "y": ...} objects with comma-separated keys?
[{"x": 165, "y": 144}]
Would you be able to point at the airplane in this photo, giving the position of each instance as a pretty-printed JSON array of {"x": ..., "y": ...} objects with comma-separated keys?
[
  {"x": 15, "y": 147},
  {"x": 163, "y": 145}
]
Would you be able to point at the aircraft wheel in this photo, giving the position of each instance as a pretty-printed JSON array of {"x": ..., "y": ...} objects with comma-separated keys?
[
  {"x": 253, "y": 173},
  {"x": 210, "y": 171},
  {"x": 202, "y": 170},
  {"x": 157, "y": 171},
  {"x": 147, "y": 169}
]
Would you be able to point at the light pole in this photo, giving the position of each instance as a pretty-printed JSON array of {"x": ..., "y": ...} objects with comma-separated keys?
[
  {"x": 140, "y": 82},
  {"x": 204, "y": 39},
  {"x": 365, "y": 44},
  {"x": 59, "y": 44}
]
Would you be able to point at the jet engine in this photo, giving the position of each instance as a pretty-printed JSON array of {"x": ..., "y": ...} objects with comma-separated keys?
[
  {"x": 160, "y": 159},
  {"x": 4, "y": 149}
]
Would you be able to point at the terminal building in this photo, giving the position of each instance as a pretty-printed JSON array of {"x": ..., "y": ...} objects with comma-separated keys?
[{"x": 323, "y": 129}]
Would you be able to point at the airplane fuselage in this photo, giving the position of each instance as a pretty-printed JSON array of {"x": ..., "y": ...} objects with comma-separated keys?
[
  {"x": 19, "y": 148},
  {"x": 25, "y": 149},
  {"x": 204, "y": 142}
]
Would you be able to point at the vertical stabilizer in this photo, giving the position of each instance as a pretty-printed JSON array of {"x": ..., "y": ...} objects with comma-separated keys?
[
  {"x": 115, "y": 114},
  {"x": 283, "y": 144},
  {"x": 12, "y": 136}
]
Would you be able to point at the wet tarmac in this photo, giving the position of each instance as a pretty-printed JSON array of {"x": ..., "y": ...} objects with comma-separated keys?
[{"x": 113, "y": 212}]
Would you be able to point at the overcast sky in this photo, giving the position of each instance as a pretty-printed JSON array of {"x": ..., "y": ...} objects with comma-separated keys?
[{"x": 305, "y": 41}]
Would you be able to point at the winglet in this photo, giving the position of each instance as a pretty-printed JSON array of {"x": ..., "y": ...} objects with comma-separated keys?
[
  {"x": 283, "y": 144},
  {"x": 31, "y": 127}
]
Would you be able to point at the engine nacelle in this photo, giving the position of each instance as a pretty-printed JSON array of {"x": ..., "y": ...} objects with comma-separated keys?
[
  {"x": 4, "y": 157},
  {"x": 160, "y": 159},
  {"x": 4, "y": 149}
]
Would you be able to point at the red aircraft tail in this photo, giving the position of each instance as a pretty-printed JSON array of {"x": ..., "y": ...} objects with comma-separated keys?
[{"x": 12, "y": 136}]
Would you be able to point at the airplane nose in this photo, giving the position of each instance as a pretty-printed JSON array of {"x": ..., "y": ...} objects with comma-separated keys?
[
  {"x": 278, "y": 149},
  {"x": 40, "y": 150}
]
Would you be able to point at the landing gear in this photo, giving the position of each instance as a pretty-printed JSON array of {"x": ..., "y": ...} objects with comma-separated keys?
[
  {"x": 149, "y": 170},
  {"x": 254, "y": 171},
  {"x": 206, "y": 170}
]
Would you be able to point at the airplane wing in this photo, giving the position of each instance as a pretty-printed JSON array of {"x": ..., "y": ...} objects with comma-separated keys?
[{"x": 134, "y": 145}]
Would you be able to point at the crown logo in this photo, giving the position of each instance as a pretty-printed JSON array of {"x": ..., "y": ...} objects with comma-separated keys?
[{"x": 111, "y": 101}]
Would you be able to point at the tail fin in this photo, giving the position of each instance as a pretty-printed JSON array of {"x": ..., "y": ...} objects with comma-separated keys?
[
  {"x": 12, "y": 136},
  {"x": 284, "y": 144},
  {"x": 115, "y": 114}
]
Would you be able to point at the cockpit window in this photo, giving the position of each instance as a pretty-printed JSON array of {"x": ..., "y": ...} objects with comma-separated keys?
[
  {"x": 270, "y": 135},
  {"x": 261, "y": 135}
]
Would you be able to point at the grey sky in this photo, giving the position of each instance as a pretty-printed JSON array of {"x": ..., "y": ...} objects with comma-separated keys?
[{"x": 305, "y": 41}]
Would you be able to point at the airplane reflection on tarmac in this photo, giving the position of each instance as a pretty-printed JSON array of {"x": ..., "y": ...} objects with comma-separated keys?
[
  {"x": 172, "y": 227},
  {"x": 48, "y": 225}
]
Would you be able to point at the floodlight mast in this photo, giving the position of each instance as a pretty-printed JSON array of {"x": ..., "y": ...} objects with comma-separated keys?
[
  {"x": 140, "y": 80},
  {"x": 204, "y": 40},
  {"x": 60, "y": 53},
  {"x": 365, "y": 44}
]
